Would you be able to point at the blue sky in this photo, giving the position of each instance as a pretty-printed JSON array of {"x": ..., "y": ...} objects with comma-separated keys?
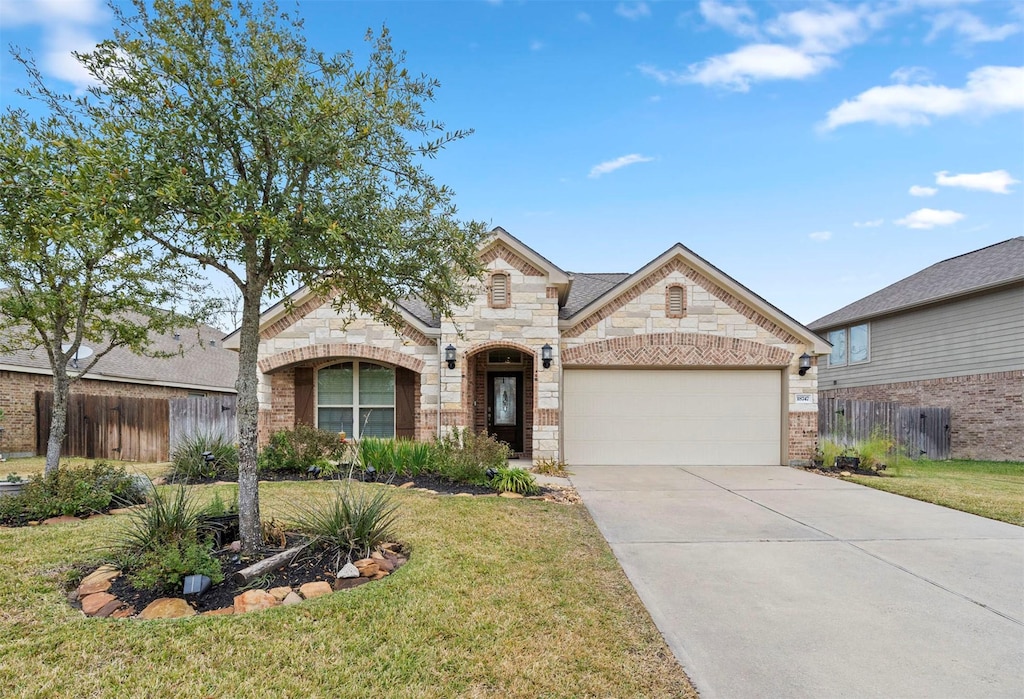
[{"x": 816, "y": 152}]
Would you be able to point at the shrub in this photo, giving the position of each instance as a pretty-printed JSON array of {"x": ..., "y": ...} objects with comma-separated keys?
[
  {"x": 189, "y": 464},
  {"x": 463, "y": 456},
  {"x": 350, "y": 523},
  {"x": 875, "y": 452},
  {"x": 379, "y": 453},
  {"x": 551, "y": 467},
  {"x": 829, "y": 450},
  {"x": 514, "y": 480},
  {"x": 413, "y": 458},
  {"x": 294, "y": 451},
  {"x": 72, "y": 490},
  {"x": 160, "y": 544}
]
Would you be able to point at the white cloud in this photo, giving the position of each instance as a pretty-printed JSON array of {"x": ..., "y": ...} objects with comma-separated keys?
[
  {"x": 929, "y": 218},
  {"x": 736, "y": 19},
  {"x": 65, "y": 28},
  {"x": 536, "y": 45},
  {"x": 912, "y": 75},
  {"x": 613, "y": 165},
  {"x": 874, "y": 223},
  {"x": 583, "y": 17},
  {"x": 919, "y": 191},
  {"x": 737, "y": 70},
  {"x": 997, "y": 181},
  {"x": 970, "y": 28},
  {"x": 633, "y": 10},
  {"x": 829, "y": 29},
  {"x": 820, "y": 235},
  {"x": 988, "y": 89}
]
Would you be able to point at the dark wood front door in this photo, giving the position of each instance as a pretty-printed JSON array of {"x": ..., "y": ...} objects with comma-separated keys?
[{"x": 505, "y": 407}]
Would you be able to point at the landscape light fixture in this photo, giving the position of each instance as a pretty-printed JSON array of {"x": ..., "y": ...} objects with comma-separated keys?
[
  {"x": 545, "y": 355},
  {"x": 208, "y": 457},
  {"x": 805, "y": 363},
  {"x": 491, "y": 473},
  {"x": 371, "y": 474},
  {"x": 449, "y": 356}
]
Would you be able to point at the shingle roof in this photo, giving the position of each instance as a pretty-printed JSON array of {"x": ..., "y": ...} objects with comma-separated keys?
[
  {"x": 994, "y": 265},
  {"x": 586, "y": 287},
  {"x": 199, "y": 365}
]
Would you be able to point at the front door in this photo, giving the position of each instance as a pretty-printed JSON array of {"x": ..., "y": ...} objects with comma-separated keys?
[{"x": 505, "y": 408}]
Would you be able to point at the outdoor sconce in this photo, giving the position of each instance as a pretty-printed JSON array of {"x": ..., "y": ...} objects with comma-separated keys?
[
  {"x": 449, "y": 356},
  {"x": 545, "y": 355},
  {"x": 805, "y": 363}
]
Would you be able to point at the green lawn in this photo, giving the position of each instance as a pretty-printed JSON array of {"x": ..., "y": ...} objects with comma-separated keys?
[
  {"x": 34, "y": 465},
  {"x": 993, "y": 489},
  {"x": 501, "y": 598}
]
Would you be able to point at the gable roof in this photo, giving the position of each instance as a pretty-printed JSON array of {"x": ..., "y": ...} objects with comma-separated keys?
[
  {"x": 199, "y": 366},
  {"x": 586, "y": 287},
  {"x": 987, "y": 268},
  {"x": 593, "y": 298}
]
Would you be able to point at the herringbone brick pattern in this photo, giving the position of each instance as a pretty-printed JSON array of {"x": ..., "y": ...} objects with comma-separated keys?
[{"x": 676, "y": 349}]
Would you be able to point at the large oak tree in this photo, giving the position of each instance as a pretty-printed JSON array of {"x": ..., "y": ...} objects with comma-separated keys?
[{"x": 277, "y": 164}]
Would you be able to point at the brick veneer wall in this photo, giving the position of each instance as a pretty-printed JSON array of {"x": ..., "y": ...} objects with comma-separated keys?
[
  {"x": 18, "y": 401},
  {"x": 803, "y": 437},
  {"x": 987, "y": 410}
]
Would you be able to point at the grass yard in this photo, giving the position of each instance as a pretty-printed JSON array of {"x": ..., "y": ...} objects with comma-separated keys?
[
  {"x": 501, "y": 598},
  {"x": 33, "y": 465},
  {"x": 993, "y": 489}
]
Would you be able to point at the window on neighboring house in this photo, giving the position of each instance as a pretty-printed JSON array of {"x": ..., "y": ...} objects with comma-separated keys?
[
  {"x": 675, "y": 302},
  {"x": 357, "y": 398},
  {"x": 849, "y": 345},
  {"x": 499, "y": 290}
]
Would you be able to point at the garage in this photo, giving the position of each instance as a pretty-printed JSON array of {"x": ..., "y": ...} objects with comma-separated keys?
[{"x": 664, "y": 417}]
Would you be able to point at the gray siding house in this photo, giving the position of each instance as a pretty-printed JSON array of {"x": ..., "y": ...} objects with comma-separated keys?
[{"x": 951, "y": 335}]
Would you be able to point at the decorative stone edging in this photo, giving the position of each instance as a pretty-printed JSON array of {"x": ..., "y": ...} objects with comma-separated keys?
[{"x": 92, "y": 593}]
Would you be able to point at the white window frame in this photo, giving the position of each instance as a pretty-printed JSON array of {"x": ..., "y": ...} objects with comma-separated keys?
[
  {"x": 356, "y": 406},
  {"x": 847, "y": 361}
]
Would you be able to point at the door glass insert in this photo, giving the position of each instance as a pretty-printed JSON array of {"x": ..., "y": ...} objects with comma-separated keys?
[{"x": 504, "y": 408}]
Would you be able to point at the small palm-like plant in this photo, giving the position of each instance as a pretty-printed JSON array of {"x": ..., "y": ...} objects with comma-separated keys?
[
  {"x": 514, "y": 480},
  {"x": 348, "y": 523}
]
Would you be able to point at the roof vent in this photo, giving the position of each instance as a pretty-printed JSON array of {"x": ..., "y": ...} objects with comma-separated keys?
[
  {"x": 213, "y": 343},
  {"x": 177, "y": 336}
]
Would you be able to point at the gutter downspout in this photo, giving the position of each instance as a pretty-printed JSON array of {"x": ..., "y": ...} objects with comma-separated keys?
[{"x": 440, "y": 363}]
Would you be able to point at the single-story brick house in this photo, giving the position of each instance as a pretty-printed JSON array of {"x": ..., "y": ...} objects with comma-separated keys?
[
  {"x": 203, "y": 368},
  {"x": 949, "y": 336},
  {"x": 674, "y": 363}
]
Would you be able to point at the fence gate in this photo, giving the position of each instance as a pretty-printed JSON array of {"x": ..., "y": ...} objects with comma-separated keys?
[
  {"x": 107, "y": 427},
  {"x": 918, "y": 431},
  {"x": 213, "y": 416}
]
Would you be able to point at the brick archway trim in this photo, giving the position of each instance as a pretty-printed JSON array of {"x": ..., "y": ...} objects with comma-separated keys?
[
  {"x": 676, "y": 349},
  {"x": 339, "y": 350},
  {"x": 495, "y": 344}
]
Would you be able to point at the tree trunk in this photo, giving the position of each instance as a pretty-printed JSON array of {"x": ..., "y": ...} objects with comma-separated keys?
[
  {"x": 58, "y": 420},
  {"x": 250, "y": 533}
]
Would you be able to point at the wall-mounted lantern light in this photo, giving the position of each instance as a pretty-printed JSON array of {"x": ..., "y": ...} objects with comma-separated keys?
[
  {"x": 449, "y": 356},
  {"x": 805, "y": 363},
  {"x": 545, "y": 355}
]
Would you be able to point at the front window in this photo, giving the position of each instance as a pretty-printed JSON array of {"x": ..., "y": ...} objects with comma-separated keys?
[
  {"x": 849, "y": 345},
  {"x": 357, "y": 398}
]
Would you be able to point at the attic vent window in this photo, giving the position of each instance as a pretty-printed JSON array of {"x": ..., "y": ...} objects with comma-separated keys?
[
  {"x": 499, "y": 291},
  {"x": 675, "y": 302}
]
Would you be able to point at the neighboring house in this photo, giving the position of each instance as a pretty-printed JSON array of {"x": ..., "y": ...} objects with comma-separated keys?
[
  {"x": 951, "y": 335},
  {"x": 203, "y": 368},
  {"x": 676, "y": 363}
]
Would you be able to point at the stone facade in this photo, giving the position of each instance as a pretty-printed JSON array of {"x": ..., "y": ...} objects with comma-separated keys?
[
  {"x": 18, "y": 402},
  {"x": 717, "y": 329},
  {"x": 987, "y": 410}
]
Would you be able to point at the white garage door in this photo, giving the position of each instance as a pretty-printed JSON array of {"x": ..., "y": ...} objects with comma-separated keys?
[{"x": 686, "y": 417}]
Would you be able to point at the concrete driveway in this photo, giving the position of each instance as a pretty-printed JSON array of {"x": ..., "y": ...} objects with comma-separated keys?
[{"x": 775, "y": 582}]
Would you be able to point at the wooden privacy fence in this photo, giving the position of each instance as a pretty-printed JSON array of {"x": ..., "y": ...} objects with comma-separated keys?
[
  {"x": 107, "y": 427},
  {"x": 918, "y": 431},
  {"x": 214, "y": 416}
]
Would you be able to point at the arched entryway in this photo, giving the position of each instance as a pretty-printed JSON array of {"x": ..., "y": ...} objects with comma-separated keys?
[{"x": 501, "y": 388}]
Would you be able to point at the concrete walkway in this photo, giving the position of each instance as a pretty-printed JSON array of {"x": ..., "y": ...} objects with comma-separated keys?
[{"x": 776, "y": 582}]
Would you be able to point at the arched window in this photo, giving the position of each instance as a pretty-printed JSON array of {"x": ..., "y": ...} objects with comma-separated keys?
[
  {"x": 675, "y": 302},
  {"x": 357, "y": 398},
  {"x": 500, "y": 296}
]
